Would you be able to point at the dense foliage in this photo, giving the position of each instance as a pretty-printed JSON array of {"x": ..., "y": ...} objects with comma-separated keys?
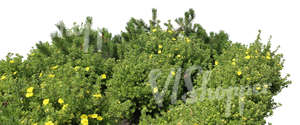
[{"x": 87, "y": 76}]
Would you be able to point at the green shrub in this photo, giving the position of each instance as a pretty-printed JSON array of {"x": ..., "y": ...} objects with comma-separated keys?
[{"x": 88, "y": 76}]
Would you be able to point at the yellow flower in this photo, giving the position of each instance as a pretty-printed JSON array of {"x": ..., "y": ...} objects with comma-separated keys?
[
  {"x": 248, "y": 78},
  {"x": 30, "y": 89},
  {"x": 173, "y": 73},
  {"x": 154, "y": 30},
  {"x": 187, "y": 40},
  {"x": 247, "y": 57},
  {"x": 11, "y": 61},
  {"x": 97, "y": 95},
  {"x": 99, "y": 118},
  {"x": 268, "y": 57},
  {"x": 239, "y": 72},
  {"x": 54, "y": 67},
  {"x": 41, "y": 74},
  {"x": 60, "y": 101},
  {"x": 34, "y": 124},
  {"x": 266, "y": 86},
  {"x": 45, "y": 101},
  {"x": 233, "y": 63},
  {"x": 93, "y": 115},
  {"x": 84, "y": 116},
  {"x": 103, "y": 76},
  {"x": 178, "y": 56},
  {"x": 84, "y": 121},
  {"x": 159, "y": 52},
  {"x": 242, "y": 99},
  {"x": 170, "y": 31},
  {"x": 65, "y": 106},
  {"x": 160, "y": 46},
  {"x": 87, "y": 68},
  {"x": 150, "y": 56},
  {"x": 216, "y": 63},
  {"x": 233, "y": 60},
  {"x": 155, "y": 90},
  {"x": 258, "y": 88},
  {"x": 30, "y": 94},
  {"x": 15, "y": 73},
  {"x": 49, "y": 123},
  {"x": 173, "y": 39},
  {"x": 51, "y": 75},
  {"x": 76, "y": 68},
  {"x": 3, "y": 77}
]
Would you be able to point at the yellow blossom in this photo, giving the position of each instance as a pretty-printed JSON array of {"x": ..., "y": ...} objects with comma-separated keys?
[
  {"x": 3, "y": 77},
  {"x": 155, "y": 90},
  {"x": 216, "y": 63},
  {"x": 242, "y": 99},
  {"x": 170, "y": 31},
  {"x": 34, "y": 124},
  {"x": 103, "y": 76},
  {"x": 160, "y": 46},
  {"x": 30, "y": 94},
  {"x": 150, "y": 56},
  {"x": 173, "y": 38},
  {"x": 187, "y": 40},
  {"x": 65, "y": 106},
  {"x": 11, "y": 61},
  {"x": 97, "y": 95},
  {"x": 154, "y": 30},
  {"x": 159, "y": 52},
  {"x": 178, "y": 56},
  {"x": 51, "y": 75},
  {"x": 45, "y": 101},
  {"x": 84, "y": 121},
  {"x": 93, "y": 115},
  {"x": 239, "y": 72},
  {"x": 60, "y": 101},
  {"x": 99, "y": 118},
  {"x": 30, "y": 89},
  {"x": 258, "y": 88},
  {"x": 233, "y": 60},
  {"x": 173, "y": 73},
  {"x": 84, "y": 116},
  {"x": 49, "y": 123},
  {"x": 248, "y": 78},
  {"x": 14, "y": 73},
  {"x": 233, "y": 63},
  {"x": 247, "y": 57},
  {"x": 266, "y": 86},
  {"x": 41, "y": 74},
  {"x": 268, "y": 57},
  {"x": 87, "y": 68},
  {"x": 76, "y": 68},
  {"x": 54, "y": 67}
]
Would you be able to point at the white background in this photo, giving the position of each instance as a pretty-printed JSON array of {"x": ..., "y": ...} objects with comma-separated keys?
[{"x": 25, "y": 22}]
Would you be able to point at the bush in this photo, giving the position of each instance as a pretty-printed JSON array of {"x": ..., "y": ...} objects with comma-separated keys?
[{"x": 88, "y": 76}]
